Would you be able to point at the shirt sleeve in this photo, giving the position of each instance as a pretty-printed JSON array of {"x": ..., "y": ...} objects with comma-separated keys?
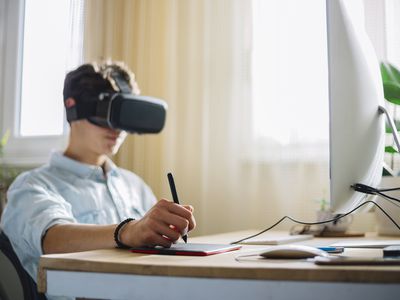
[
  {"x": 147, "y": 196},
  {"x": 136, "y": 185},
  {"x": 31, "y": 210}
]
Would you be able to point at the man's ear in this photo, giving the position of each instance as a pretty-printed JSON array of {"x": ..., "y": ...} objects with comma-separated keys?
[{"x": 69, "y": 102}]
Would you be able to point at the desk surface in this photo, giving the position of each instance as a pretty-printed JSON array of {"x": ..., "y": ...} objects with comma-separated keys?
[{"x": 221, "y": 265}]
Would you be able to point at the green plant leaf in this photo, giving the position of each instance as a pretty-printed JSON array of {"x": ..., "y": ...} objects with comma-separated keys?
[
  {"x": 389, "y": 129},
  {"x": 4, "y": 139},
  {"x": 392, "y": 92},
  {"x": 390, "y": 149},
  {"x": 391, "y": 82},
  {"x": 389, "y": 72}
]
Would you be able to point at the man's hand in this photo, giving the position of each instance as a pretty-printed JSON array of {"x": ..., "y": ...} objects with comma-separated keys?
[{"x": 162, "y": 225}]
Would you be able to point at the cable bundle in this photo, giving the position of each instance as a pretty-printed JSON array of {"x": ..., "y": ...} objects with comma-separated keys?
[{"x": 359, "y": 187}]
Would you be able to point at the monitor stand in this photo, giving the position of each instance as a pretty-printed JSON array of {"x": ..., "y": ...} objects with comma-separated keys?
[{"x": 389, "y": 119}]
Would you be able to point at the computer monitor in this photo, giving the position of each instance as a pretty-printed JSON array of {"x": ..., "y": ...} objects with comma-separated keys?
[{"x": 357, "y": 134}]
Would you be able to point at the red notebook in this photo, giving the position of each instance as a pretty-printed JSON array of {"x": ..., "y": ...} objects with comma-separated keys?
[{"x": 191, "y": 249}]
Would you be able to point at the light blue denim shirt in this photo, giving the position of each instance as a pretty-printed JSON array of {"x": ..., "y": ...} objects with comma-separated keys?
[{"x": 65, "y": 191}]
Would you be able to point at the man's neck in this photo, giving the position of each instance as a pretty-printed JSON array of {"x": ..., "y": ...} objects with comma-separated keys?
[{"x": 85, "y": 157}]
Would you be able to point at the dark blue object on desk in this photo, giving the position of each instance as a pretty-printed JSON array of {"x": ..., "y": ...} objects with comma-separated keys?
[{"x": 391, "y": 251}]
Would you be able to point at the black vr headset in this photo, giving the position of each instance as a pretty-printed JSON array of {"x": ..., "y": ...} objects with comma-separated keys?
[{"x": 121, "y": 110}]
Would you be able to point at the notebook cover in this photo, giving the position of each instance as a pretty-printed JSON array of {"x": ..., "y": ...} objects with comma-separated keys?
[{"x": 191, "y": 249}]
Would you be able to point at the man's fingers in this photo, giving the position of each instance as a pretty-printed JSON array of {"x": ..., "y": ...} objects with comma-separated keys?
[
  {"x": 152, "y": 238},
  {"x": 180, "y": 216},
  {"x": 173, "y": 214},
  {"x": 175, "y": 209},
  {"x": 178, "y": 222},
  {"x": 189, "y": 207},
  {"x": 168, "y": 232},
  {"x": 160, "y": 241},
  {"x": 192, "y": 221}
]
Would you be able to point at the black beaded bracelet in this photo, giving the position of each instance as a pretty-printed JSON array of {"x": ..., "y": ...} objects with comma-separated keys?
[{"x": 116, "y": 233}]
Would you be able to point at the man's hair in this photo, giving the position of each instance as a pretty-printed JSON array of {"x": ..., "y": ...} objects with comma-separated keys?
[{"x": 90, "y": 80}]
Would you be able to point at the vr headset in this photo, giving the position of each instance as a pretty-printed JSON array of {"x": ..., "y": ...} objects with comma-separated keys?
[{"x": 121, "y": 110}]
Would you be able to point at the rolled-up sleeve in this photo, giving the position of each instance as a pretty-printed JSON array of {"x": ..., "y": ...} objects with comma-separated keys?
[{"x": 31, "y": 210}]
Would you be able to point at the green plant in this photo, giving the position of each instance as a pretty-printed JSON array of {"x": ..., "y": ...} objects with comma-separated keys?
[
  {"x": 391, "y": 88},
  {"x": 3, "y": 176},
  {"x": 7, "y": 173},
  {"x": 3, "y": 142}
]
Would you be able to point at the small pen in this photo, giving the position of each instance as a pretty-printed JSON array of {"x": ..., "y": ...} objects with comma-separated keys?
[{"x": 174, "y": 196}]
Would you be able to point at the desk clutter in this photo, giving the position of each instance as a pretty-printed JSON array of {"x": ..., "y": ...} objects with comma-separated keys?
[{"x": 354, "y": 251}]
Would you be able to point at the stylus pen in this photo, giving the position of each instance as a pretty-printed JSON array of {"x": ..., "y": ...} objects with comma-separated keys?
[{"x": 174, "y": 196}]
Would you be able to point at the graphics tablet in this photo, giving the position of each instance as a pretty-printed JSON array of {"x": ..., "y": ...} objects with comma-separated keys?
[{"x": 191, "y": 249}]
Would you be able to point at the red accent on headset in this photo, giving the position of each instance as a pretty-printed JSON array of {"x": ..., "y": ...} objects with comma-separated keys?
[{"x": 69, "y": 103}]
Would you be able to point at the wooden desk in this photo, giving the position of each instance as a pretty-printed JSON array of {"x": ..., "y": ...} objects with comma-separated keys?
[{"x": 120, "y": 274}]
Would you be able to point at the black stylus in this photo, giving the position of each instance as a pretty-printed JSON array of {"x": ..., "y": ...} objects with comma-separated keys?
[{"x": 174, "y": 196}]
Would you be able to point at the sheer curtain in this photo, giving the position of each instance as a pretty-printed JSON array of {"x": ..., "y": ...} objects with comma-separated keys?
[{"x": 197, "y": 55}]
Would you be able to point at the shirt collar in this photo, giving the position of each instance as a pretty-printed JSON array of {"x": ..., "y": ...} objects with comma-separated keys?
[
  {"x": 59, "y": 160},
  {"x": 110, "y": 167}
]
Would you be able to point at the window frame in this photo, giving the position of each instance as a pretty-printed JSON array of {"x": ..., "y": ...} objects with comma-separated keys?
[{"x": 20, "y": 150}]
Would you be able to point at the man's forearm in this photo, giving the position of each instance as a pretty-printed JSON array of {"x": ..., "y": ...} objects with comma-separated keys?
[
  {"x": 162, "y": 225},
  {"x": 78, "y": 237}
]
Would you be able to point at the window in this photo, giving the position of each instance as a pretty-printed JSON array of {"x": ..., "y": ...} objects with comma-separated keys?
[
  {"x": 290, "y": 72},
  {"x": 290, "y": 77},
  {"x": 48, "y": 51},
  {"x": 48, "y": 45}
]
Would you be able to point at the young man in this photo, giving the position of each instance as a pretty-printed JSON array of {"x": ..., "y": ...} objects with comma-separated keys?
[{"x": 81, "y": 200}]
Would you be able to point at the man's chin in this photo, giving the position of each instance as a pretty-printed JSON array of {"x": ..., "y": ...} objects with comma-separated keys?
[{"x": 113, "y": 147}]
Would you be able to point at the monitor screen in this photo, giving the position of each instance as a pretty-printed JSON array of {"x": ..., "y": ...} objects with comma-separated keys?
[{"x": 357, "y": 133}]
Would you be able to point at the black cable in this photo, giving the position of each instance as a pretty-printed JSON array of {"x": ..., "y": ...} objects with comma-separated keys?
[
  {"x": 323, "y": 222},
  {"x": 300, "y": 222},
  {"x": 385, "y": 197},
  {"x": 386, "y": 214},
  {"x": 363, "y": 188},
  {"x": 390, "y": 189}
]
